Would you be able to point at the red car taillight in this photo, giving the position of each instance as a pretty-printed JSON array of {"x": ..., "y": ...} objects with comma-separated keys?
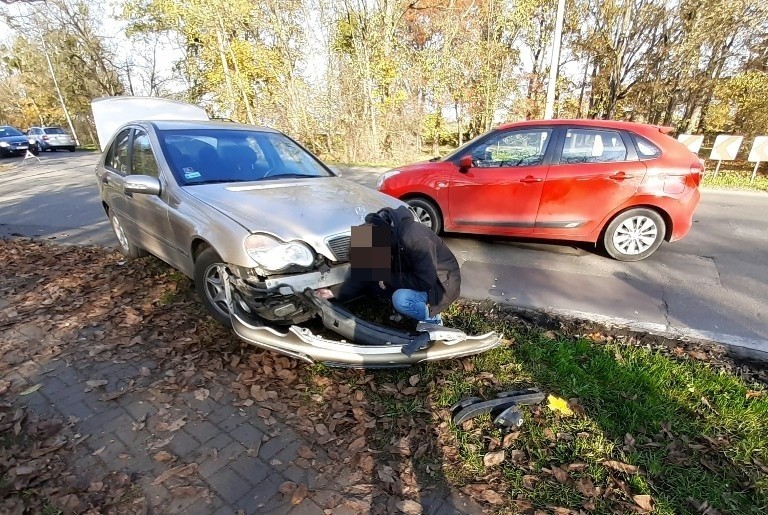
[
  {"x": 696, "y": 175},
  {"x": 45, "y": 138}
]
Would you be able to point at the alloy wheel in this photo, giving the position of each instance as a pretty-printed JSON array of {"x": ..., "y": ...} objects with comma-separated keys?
[
  {"x": 424, "y": 216},
  {"x": 120, "y": 233},
  {"x": 635, "y": 235},
  {"x": 214, "y": 289}
]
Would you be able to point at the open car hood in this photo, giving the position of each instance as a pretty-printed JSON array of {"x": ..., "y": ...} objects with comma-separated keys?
[{"x": 111, "y": 113}]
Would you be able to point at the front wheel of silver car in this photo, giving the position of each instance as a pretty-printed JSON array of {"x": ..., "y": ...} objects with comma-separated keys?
[
  {"x": 634, "y": 234},
  {"x": 209, "y": 285},
  {"x": 127, "y": 248}
]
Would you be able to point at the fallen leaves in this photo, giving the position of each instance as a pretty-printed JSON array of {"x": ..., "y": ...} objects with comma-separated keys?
[
  {"x": 179, "y": 471},
  {"x": 645, "y": 502},
  {"x": 32, "y": 389},
  {"x": 493, "y": 459},
  {"x": 171, "y": 426},
  {"x": 621, "y": 467},
  {"x": 559, "y": 405}
]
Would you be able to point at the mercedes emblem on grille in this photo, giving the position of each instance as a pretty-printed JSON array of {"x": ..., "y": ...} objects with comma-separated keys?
[{"x": 360, "y": 211}]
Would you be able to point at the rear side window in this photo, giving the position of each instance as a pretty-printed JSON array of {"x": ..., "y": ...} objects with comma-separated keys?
[
  {"x": 645, "y": 149},
  {"x": 592, "y": 146},
  {"x": 117, "y": 158}
]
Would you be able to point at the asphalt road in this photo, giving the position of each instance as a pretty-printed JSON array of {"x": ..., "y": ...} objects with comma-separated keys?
[{"x": 711, "y": 285}]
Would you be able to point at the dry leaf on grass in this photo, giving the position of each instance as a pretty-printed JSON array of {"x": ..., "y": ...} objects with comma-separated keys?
[
  {"x": 509, "y": 438},
  {"x": 414, "y": 380},
  {"x": 492, "y": 459},
  {"x": 201, "y": 394},
  {"x": 586, "y": 487},
  {"x": 621, "y": 467},
  {"x": 560, "y": 474},
  {"x": 492, "y": 497},
  {"x": 559, "y": 405},
  {"x": 645, "y": 502}
]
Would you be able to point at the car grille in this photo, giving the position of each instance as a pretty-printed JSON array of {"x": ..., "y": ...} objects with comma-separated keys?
[{"x": 339, "y": 246}]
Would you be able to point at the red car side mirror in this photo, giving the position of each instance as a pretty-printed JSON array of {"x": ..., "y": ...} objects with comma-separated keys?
[{"x": 465, "y": 163}]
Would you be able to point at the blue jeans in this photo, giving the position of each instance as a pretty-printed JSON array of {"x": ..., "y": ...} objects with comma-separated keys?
[{"x": 413, "y": 304}]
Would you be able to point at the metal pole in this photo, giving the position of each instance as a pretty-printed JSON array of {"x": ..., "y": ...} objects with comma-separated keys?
[
  {"x": 754, "y": 173},
  {"x": 61, "y": 98},
  {"x": 554, "y": 62}
]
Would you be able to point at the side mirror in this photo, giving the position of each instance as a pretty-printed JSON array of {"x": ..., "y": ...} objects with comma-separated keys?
[
  {"x": 142, "y": 184},
  {"x": 465, "y": 163}
]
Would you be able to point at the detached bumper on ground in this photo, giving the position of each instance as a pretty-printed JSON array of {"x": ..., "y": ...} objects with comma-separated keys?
[{"x": 364, "y": 345}]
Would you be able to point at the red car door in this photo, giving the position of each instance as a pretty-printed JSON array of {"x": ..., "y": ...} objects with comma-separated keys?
[
  {"x": 594, "y": 171},
  {"x": 500, "y": 192}
]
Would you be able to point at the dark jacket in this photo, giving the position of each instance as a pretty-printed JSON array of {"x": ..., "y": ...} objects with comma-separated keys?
[{"x": 420, "y": 259}]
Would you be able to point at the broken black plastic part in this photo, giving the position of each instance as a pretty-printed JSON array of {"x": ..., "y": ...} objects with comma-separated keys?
[
  {"x": 361, "y": 332},
  {"x": 463, "y": 403},
  {"x": 510, "y": 417},
  {"x": 503, "y": 401}
]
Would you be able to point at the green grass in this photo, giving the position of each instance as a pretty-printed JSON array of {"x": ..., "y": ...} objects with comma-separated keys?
[
  {"x": 735, "y": 180},
  {"x": 624, "y": 390}
]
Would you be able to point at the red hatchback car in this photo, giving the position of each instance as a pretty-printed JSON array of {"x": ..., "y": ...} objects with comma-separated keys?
[{"x": 627, "y": 186}]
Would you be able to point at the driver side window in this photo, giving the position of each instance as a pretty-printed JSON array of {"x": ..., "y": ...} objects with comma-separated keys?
[
  {"x": 143, "y": 161},
  {"x": 512, "y": 149}
]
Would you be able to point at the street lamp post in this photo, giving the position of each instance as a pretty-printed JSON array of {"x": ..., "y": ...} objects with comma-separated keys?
[
  {"x": 53, "y": 74},
  {"x": 554, "y": 63}
]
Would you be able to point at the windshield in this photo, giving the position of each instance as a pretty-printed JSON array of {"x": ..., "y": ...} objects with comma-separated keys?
[
  {"x": 205, "y": 156},
  {"x": 460, "y": 151},
  {"x": 9, "y": 131},
  {"x": 53, "y": 130}
]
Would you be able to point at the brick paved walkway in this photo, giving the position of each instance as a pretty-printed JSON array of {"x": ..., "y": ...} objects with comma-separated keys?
[{"x": 239, "y": 457}]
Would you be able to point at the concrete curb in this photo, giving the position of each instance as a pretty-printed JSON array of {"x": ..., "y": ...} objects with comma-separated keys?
[{"x": 740, "y": 347}]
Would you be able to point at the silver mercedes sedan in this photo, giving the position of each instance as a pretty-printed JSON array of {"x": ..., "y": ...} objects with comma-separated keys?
[{"x": 260, "y": 224}]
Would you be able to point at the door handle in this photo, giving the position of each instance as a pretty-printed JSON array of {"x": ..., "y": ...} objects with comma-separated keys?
[
  {"x": 620, "y": 176},
  {"x": 531, "y": 178}
]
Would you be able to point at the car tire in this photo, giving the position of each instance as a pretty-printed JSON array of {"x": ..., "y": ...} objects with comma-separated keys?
[
  {"x": 634, "y": 235},
  {"x": 35, "y": 151},
  {"x": 209, "y": 287},
  {"x": 427, "y": 213},
  {"x": 71, "y": 149},
  {"x": 127, "y": 249}
]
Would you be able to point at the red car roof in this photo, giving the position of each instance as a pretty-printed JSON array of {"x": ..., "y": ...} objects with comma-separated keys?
[{"x": 638, "y": 127}]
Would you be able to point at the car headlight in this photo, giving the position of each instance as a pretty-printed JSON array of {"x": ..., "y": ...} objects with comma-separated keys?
[
  {"x": 273, "y": 254},
  {"x": 31, "y": 141},
  {"x": 385, "y": 176},
  {"x": 4, "y": 144}
]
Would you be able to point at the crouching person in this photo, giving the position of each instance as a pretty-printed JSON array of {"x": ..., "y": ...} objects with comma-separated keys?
[{"x": 395, "y": 255}]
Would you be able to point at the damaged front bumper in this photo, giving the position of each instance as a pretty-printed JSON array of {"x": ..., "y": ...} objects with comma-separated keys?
[{"x": 364, "y": 345}]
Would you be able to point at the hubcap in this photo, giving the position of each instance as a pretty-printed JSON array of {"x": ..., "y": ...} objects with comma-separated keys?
[
  {"x": 120, "y": 233},
  {"x": 635, "y": 235},
  {"x": 423, "y": 215},
  {"x": 214, "y": 289}
]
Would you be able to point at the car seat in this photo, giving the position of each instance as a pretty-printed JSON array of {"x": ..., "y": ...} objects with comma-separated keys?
[
  {"x": 241, "y": 162},
  {"x": 209, "y": 164}
]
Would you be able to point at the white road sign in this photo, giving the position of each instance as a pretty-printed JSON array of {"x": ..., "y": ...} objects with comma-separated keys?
[
  {"x": 692, "y": 141},
  {"x": 726, "y": 147},
  {"x": 759, "y": 152}
]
